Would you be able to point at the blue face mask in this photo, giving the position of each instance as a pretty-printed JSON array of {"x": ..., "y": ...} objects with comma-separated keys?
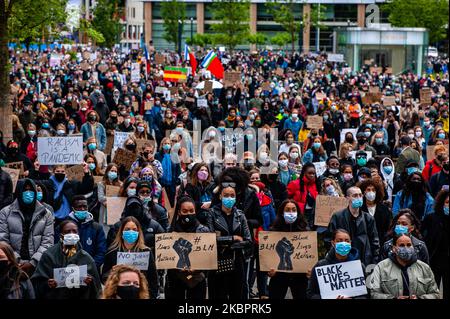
[
  {"x": 92, "y": 146},
  {"x": 45, "y": 125},
  {"x": 80, "y": 214},
  {"x": 228, "y": 202},
  {"x": 91, "y": 166},
  {"x": 317, "y": 145},
  {"x": 39, "y": 196},
  {"x": 441, "y": 135},
  {"x": 112, "y": 175},
  {"x": 400, "y": 230},
  {"x": 379, "y": 141},
  {"x": 289, "y": 217},
  {"x": 343, "y": 248},
  {"x": 388, "y": 169},
  {"x": 221, "y": 129},
  {"x": 130, "y": 236},
  {"x": 362, "y": 161},
  {"x": 446, "y": 210},
  {"x": 28, "y": 197},
  {"x": 357, "y": 202},
  {"x": 166, "y": 147},
  {"x": 411, "y": 170},
  {"x": 131, "y": 192},
  {"x": 71, "y": 127}
]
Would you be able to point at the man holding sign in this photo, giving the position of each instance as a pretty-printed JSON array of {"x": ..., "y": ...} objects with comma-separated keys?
[{"x": 329, "y": 281}]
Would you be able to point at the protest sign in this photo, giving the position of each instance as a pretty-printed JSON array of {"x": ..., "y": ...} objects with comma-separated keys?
[
  {"x": 135, "y": 105},
  {"x": 124, "y": 157},
  {"x": 279, "y": 71},
  {"x": 66, "y": 150},
  {"x": 388, "y": 70},
  {"x": 320, "y": 96},
  {"x": 173, "y": 90},
  {"x": 345, "y": 279},
  {"x": 231, "y": 77},
  {"x": 148, "y": 105},
  {"x": 425, "y": 96},
  {"x": 202, "y": 102},
  {"x": 294, "y": 252},
  {"x": 71, "y": 276},
  {"x": 376, "y": 70},
  {"x": 14, "y": 174},
  {"x": 266, "y": 86},
  {"x": 120, "y": 138},
  {"x": 103, "y": 67},
  {"x": 430, "y": 151},
  {"x": 353, "y": 154},
  {"x": 75, "y": 173},
  {"x": 326, "y": 206},
  {"x": 348, "y": 130},
  {"x": 160, "y": 89},
  {"x": 55, "y": 60},
  {"x": 109, "y": 144},
  {"x": 138, "y": 260},
  {"x": 195, "y": 251},
  {"x": 16, "y": 165},
  {"x": 135, "y": 72},
  {"x": 84, "y": 66},
  {"x": 374, "y": 89},
  {"x": 208, "y": 86},
  {"x": 112, "y": 191},
  {"x": 160, "y": 58},
  {"x": 388, "y": 100},
  {"x": 314, "y": 122},
  {"x": 86, "y": 55},
  {"x": 334, "y": 57},
  {"x": 321, "y": 167},
  {"x": 114, "y": 206},
  {"x": 98, "y": 179}
]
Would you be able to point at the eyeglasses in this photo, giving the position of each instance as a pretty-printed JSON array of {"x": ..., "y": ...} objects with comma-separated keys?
[
  {"x": 144, "y": 192},
  {"x": 228, "y": 184}
]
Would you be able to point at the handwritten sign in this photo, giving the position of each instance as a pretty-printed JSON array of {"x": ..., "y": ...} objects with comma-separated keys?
[
  {"x": 332, "y": 57},
  {"x": 388, "y": 100},
  {"x": 160, "y": 89},
  {"x": 374, "y": 89},
  {"x": 202, "y": 102},
  {"x": 388, "y": 70},
  {"x": 16, "y": 165},
  {"x": 71, "y": 276},
  {"x": 208, "y": 86},
  {"x": 135, "y": 72},
  {"x": 425, "y": 96},
  {"x": 231, "y": 77},
  {"x": 138, "y": 260},
  {"x": 109, "y": 144},
  {"x": 348, "y": 130},
  {"x": 345, "y": 279},
  {"x": 376, "y": 70},
  {"x": 114, "y": 206},
  {"x": 66, "y": 150},
  {"x": 14, "y": 174},
  {"x": 75, "y": 173},
  {"x": 195, "y": 251},
  {"x": 294, "y": 252},
  {"x": 326, "y": 206},
  {"x": 279, "y": 71},
  {"x": 320, "y": 96},
  {"x": 314, "y": 122},
  {"x": 321, "y": 167},
  {"x": 112, "y": 191},
  {"x": 120, "y": 138},
  {"x": 160, "y": 58},
  {"x": 124, "y": 157},
  {"x": 148, "y": 105}
]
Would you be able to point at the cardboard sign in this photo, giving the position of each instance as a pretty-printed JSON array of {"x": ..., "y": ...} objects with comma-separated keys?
[
  {"x": 138, "y": 260},
  {"x": 170, "y": 209},
  {"x": 353, "y": 154},
  {"x": 84, "y": 66},
  {"x": 112, "y": 191},
  {"x": 16, "y": 165},
  {"x": 160, "y": 89},
  {"x": 388, "y": 100},
  {"x": 98, "y": 179},
  {"x": 388, "y": 71},
  {"x": 425, "y": 96},
  {"x": 320, "y": 96},
  {"x": 14, "y": 174},
  {"x": 71, "y": 276},
  {"x": 103, "y": 68},
  {"x": 124, "y": 157},
  {"x": 114, "y": 206},
  {"x": 173, "y": 90},
  {"x": 202, "y": 102},
  {"x": 374, "y": 89},
  {"x": 314, "y": 122},
  {"x": 160, "y": 58},
  {"x": 75, "y": 173},
  {"x": 135, "y": 72},
  {"x": 86, "y": 55},
  {"x": 266, "y": 86},
  {"x": 279, "y": 71},
  {"x": 189, "y": 99},
  {"x": 348, "y": 130},
  {"x": 195, "y": 251},
  {"x": 430, "y": 151},
  {"x": 345, "y": 279},
  {"x": 326, "y": 206},
  {"x": 109, "y": 144},
  {"x": 321, "y": 167},
  {"x": 120, "y": 138},
  {"x": 148, "y": 105},
  {"x": 208, "y": 86},
  {"x": 294, "y": 252},
  {"x": 66, "y": 150},
  {"x": 332, "y": 57},
  {"x": 376, "y": 70},
  {"x": 231, "y": 77},
  {"x": 368, "y": 62},
  {"x": 135, "y": 105}
]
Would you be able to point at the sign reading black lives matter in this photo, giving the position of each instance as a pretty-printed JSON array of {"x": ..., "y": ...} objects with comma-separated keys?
[
  {"x": 345, "y": 279},
  {"x": 65, "y": 150}
]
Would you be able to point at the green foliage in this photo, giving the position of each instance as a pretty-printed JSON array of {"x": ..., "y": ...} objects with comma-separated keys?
[
  {"x": 171, "y": 12},
  {"x": 202, "y": 40},
  {"x": 257, "y": 38},
  {"x": 281, "y": 39},
  {"x": 430, "y": 14},
  {"x": 233, "y": 26},
  {"x": 31, "y": 19},
  {"x": 283, "y": 13},
  {"x": 106, "y": 23}
]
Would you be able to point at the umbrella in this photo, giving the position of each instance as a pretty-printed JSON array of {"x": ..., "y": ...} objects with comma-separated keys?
[{"x": 216, "y": 85}]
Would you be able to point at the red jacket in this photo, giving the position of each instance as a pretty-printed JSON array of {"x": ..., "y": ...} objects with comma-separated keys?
[
  {"x": 294, "y": 192},
  {"x": 430, "y": 166}
]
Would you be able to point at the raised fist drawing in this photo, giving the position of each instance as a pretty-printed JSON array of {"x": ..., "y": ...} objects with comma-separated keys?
[
  {"x": 183, "y": 248},
  {"x": 284, "y": 249}
]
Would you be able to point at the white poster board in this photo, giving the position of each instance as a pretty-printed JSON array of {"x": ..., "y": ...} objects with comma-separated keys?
[
  {"x": 71, "y": 276},
  {"x": 136, "y": 259},
  {"x": 135, "y": 72},
  {"x": 66, "y": 150},
  {"x": 345, "y": 131},
  {"x": 202, "y": 102},
  {"x": 321, "y": 167},
  {"x": 120, "y": 138},
  {"x": 333, "y": 57},
  {"x": 345, "y": 279}
]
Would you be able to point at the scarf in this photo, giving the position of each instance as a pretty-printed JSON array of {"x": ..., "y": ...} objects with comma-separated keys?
[
  {"x": 167, "y": 169},
  {"x": 64, "y": 209}
]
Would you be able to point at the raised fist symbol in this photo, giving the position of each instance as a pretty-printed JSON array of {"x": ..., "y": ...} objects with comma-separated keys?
[
  {"x": 284, "y": 249},
  {"x": 183, "y": 248}
]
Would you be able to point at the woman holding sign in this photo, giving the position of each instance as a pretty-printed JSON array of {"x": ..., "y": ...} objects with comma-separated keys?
[
  {"x": 185, "y": 284},
  {"x": 235, "y": 237},
  {"x": 289, "y": 219},
  {"x": 340, "y": 252},
  {"x": 130, "y": 241}
]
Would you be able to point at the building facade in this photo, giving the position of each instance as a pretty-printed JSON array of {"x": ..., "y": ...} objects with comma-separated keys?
[
  {"x": 335, "y": 13},
  {"x": 133, "y": 24}
]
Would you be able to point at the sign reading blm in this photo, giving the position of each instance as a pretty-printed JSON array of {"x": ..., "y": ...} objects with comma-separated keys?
[{"x": 66, "y": 150}]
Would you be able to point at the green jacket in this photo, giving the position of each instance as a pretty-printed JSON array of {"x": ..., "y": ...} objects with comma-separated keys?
[
  {"x": 386, "y": 281},
  {"x": 406, "y": 155}
]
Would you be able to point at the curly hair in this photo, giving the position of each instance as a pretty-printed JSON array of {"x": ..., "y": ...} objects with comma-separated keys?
[
  {"x": 110, "y": 291},
  {"x": 440, "y": 201},
  {"x": 335, "y": 183},
  {"x": 379, "y": 188},
  {"x": 408, "y": 213}
]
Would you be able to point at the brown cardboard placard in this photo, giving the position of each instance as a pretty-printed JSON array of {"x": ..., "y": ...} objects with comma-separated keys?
[
  {"x": 208, "y": 86},
  {"x": 75, "y": 173},
  {"x": 326, "y": 206},
  {"x": 16, "y": 165},
  {"x": 231, "y": 77},
  {"x": 388, "y": 100},
  {"x": 377, "y": 70},
  {"x": 374, "y": 89},
  {"x": 148, "y": 105},
  {"x": 425, "y": 96},
  {"x": 14, "y": 174},
  {"x": 170, "y": 209},
  {"x": 109, "y": 144},
  {"x": 98, "y": 179},
  {"x": 279, "y": 71},
  {"x": 266, "y": 86},
  {"x": 194, "y": 251},
  {"x": 135, "y": 105},
  {"x": 112, "y": 191},
  {"x": 160, "y": 58},
  {"x": 124, "y": 157},
  {"x": 114, "y": 206},
  {"x": 314, "y": 122},
  {"x": 86, "y": 55},
  {"x": 173, "y": 90},
  {"x": 292, "y": 252},
  {"x": 430, "y": 151},
  {"x": 388, "y": 70}
]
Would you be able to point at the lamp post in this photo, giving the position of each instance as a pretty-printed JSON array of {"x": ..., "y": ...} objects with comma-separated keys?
[
  {"x": 180, "y": 30},
  {"x": 318, "y": 31},
  {"x": 300, "y": 38},
  {"x": 192, "y": 29}
]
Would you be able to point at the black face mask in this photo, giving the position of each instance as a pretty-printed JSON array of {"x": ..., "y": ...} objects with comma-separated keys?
[
  {"x": 13, "y": 150},
  {"x": 60, "y": 176},
  {"x": 416, "y": 185},
  {"x": 445, "y": 167},
  {"x": 128, "y": 292},
  {"x": 145, "y": 154},
  {"x": 361, "y": 141},
  {"x": 189, "y": 220},
  {"x": 349, "y": 140},
  {"x": 4, "y": 266},
  {"x": 130, "y": 147}
]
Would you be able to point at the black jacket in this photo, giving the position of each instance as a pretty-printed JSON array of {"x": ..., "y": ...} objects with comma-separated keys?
[
  {"x": 419, "y": 247},
  {"x": 383, "y": 218},
  {"x": 225, "y": 242},
  {"x": 364, "y": 235},
  {"x": 313, "y": 291},
  {"x": 196, "y": 192},
  {"x": 437, "y": 181},
  {"x": 436, "y": 233},
  {"x": 6, "y": 189}
]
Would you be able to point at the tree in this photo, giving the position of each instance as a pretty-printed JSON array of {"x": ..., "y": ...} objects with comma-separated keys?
[
  {"x": 283, "y": 13},
  {"x": 94, "y": 35},
  {"x": 107, "y": 21},
  {"x": 233, "y": 27},
  {"x": 257, "y": 39},
  {"x": 430, "y": 14},
  {"x": 173, "y": 11},
  {"x": 202, "y": 40},
  {"x": 281, "y": 39}
]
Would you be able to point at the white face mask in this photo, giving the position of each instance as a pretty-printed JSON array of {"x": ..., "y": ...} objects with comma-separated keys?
[
  {"x": 283, "y": 163},
  {"x": 371, "y": 196},
  {"x": 294, "y": 155},
  {"x": 71, "y": 239}
]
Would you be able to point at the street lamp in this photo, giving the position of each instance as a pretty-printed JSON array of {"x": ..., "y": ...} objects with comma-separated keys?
[
  {"x": 180, "y": 30},
  {"x": 192, "y": 29},
  {"x": 300, "y": 38}
]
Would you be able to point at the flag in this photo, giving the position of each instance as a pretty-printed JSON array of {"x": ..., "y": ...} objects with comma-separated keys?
[
  {"x": 175, "y": 74},
  {"x": 147, "y": 61},
  {"x": 189, "y": 56},
  {"x": 212, "y": 63}
]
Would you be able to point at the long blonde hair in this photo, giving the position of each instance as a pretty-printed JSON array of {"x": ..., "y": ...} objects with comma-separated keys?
[
  {"x": 118, "y": 241},
  {"x": 110, "y": 291}
]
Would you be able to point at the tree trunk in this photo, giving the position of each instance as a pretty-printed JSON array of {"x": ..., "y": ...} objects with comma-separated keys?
[
  {"x": 292, "y": 42},
  {"x": 5, "y": 105}
]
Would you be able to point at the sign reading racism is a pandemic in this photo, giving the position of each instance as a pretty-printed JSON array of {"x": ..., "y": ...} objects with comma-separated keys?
[{"x": 66, "y": 150}]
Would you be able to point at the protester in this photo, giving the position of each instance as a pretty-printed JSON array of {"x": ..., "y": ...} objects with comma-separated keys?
[{"x": 125, "y": 282}]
